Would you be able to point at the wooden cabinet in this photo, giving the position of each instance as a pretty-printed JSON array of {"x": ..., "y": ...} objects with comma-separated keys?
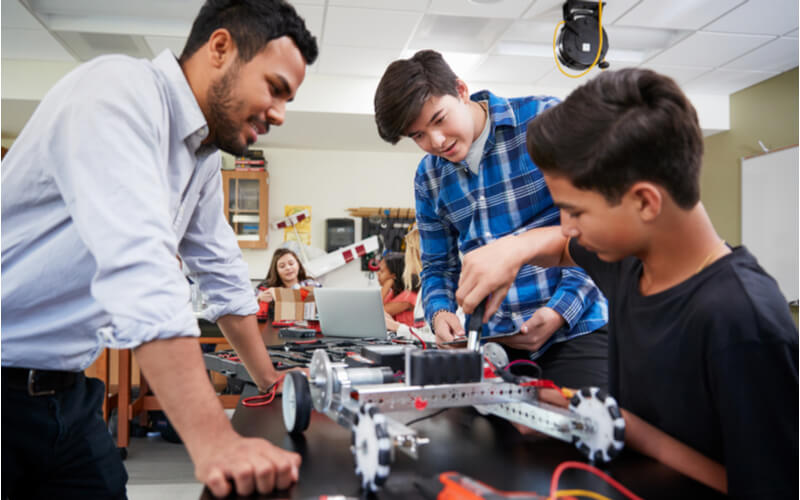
[{"x": 246, "y": 205}]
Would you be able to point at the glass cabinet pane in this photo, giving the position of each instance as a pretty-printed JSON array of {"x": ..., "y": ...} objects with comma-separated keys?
[{"x": 247, "y": 194}]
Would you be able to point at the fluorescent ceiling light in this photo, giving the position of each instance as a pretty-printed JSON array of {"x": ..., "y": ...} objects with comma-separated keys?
[
  {"x": 542, "y": 50},
  {"x": 460, "y": 62}
]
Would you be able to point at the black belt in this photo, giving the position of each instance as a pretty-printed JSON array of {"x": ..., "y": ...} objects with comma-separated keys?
[{"x": 38, "y": 382}]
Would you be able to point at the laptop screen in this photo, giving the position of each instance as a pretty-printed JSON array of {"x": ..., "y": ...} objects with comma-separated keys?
[{"x": 351, "y": 312}]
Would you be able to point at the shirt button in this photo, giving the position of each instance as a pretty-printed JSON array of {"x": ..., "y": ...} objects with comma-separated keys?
[
  {"x": 488, "y": 235},
  {"x": 482, "y": 198}
]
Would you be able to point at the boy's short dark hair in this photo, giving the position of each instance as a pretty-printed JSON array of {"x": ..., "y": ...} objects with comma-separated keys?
[
  {"x": 252, "y": 25},
  {"x": 619, "y": 128},
  {"x": 405, "y": 86}
]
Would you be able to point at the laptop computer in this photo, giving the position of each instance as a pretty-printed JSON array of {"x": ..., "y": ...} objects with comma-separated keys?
[{"x": 350, "y": 312}]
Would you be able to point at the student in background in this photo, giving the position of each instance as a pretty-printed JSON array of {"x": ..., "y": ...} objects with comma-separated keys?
[
  {"x": 129, "y": 178},
  {"x": 475, "y": 185},
  {"x": 285, "y": 271},
  {"x": 702, "y": 344},
  {"x": 398, "y": 301}
]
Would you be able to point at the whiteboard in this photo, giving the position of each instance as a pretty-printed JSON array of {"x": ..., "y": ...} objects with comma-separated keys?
[{"x": 770, "y": 214}]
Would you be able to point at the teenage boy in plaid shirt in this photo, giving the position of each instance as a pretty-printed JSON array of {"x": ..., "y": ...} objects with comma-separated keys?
[{"x": 475, "y": 185}]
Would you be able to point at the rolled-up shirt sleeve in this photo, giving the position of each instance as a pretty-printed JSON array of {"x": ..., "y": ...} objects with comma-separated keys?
[
  {"x": 210, "y": 250},
  {"x": 116, "y": 192}
]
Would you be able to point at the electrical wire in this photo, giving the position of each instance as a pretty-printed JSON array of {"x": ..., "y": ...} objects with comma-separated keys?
[
  {"x": 580, "y": 493},
  {"x": 599, "y": 46},
  {"x": 263, "y": 399},
  {"x": 411, "y": 329},
  {"x": 426, "y": 416},
  {"x": 554, "y": 493},
  {"x": 526, "y": 362}
]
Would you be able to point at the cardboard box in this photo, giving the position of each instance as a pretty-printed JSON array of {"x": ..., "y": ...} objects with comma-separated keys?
[{"x": 295, "y": 305}]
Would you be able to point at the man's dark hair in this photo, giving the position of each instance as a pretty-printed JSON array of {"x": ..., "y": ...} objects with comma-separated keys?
[
  {"x": 252, "y": 25},
  {"x": 620, "y": 128},
  {"x": 405, "y": 87}
]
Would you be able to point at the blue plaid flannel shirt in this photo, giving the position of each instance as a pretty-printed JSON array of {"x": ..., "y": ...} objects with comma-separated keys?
[{"x": 458, "y": 211}]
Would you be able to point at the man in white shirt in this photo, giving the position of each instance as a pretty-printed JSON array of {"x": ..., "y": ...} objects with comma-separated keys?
[{"x": 115, "y": 174}]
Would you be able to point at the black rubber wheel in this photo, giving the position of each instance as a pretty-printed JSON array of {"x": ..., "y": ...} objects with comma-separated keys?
[{"x": 296, "y": 402}]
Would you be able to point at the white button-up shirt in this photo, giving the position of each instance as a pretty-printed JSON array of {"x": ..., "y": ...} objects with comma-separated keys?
[{"x": 105, "y": 185}]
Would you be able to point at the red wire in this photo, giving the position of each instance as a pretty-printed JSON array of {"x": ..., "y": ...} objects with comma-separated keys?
[
  {"x": 424, "y": 346},
  {"x": 263, "y": 399},
  {"x": 594, "y": 470}
]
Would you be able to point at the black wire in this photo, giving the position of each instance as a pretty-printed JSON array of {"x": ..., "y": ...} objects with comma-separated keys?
[
  {"x": 426, "y": 416},
  {"x": 534, "y": 365}
]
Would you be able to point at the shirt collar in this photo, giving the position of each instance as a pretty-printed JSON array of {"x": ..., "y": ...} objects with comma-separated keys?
[
  {"x": 500, "y": 111},
  {"x": 187, "y": 117}
]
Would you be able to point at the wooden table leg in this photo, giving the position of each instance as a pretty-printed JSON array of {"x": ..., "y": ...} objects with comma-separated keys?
[{"x": 124, "y": 399}]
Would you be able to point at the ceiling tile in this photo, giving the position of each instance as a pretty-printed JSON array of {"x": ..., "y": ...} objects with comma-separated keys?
[
  {"x": 722, "y": 82},
  {"x": 382, "y": 29},
  {"x": 555, "y": 79},
  {"x": 510, "y": 9},
  {"x": 355, "y": 61},
  {"x": 307, "y": 2},
  {"x": 511, "y": 69},
  {"x": 35, "y": 44},
  {"x": 552, "y": 10},
  {"x": 709, "y": 49},
  {"x": 159, "y": 43},
  {"x": 415, "y": 5},
  {"x": 458, "y": 34},
  {"x": 531, "y": 31},
  {"x": 779, "y": 55},
  {"x": 680, "y": 74},
  {"x": 766, "y": 17},
  {"x": 14, "y": 15},
  {"x": 313, "y": 16},
  {"x": 676, "y": 14}
]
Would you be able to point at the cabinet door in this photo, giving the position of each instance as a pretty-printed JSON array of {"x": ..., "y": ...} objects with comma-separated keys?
[{"x": 246, "y": 203}]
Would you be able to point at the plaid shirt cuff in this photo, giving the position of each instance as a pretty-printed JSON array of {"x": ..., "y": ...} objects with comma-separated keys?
[{"x": 568, "y": 305}]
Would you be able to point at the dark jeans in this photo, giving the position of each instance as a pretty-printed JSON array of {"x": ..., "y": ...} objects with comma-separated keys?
[
  {"x": 580, "y": 362},
  {"x": 58, "y": 446}
]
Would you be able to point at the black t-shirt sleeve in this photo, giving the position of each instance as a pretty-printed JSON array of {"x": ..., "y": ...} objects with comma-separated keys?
[{"x": 754, "y": 386}]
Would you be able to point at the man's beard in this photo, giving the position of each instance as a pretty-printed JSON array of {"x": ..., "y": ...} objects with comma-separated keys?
[{"x": 220, "y": 109}]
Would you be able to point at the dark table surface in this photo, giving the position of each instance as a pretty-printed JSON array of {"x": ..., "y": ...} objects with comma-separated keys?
[{"x": 487, "y": 449}]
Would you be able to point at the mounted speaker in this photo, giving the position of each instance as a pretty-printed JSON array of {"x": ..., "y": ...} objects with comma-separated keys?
[{"x": 577, "y": 43}]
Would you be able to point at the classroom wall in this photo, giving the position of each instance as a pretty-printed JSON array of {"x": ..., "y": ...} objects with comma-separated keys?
[
  {"x": 766, "y": 112},
  {"x": 331, "y": 182}
]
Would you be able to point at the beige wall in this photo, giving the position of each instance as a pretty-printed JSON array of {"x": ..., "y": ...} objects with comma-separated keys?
[{"x": 767, "y": 112}]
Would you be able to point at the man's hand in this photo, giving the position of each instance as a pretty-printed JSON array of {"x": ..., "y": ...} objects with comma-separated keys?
[
  {"x": 447, "y": 326},
  {"x": 253, "y": 464},
  {"x": 490, "y": 269},
  {"x": 535, "y": 332}
]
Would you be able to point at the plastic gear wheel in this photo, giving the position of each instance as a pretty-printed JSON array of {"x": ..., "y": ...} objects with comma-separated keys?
[
  {"x": 608, "y": 437},
  {"x": 372, "y": 447}
]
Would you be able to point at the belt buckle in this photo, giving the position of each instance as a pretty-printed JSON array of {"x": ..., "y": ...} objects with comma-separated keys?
[{"x": 32, "y": 382}]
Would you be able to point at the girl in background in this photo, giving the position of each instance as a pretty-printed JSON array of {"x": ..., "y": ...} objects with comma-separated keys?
[
  {"x": 285, "y": 271},
  {"x": 398, "y": 302}
]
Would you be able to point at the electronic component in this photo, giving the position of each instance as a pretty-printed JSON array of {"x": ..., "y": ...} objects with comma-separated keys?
[
  {"x": 454, "y": 366},
  {"x": 294, "y": 332}
]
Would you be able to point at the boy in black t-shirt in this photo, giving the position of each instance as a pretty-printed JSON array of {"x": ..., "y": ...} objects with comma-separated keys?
[{"x": 702, "y": 344}]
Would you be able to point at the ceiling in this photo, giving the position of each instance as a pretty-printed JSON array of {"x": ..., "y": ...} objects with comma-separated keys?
[{"x": 710, "y": 47}]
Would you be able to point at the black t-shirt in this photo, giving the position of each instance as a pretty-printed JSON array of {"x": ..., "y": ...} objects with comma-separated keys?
[{"x": 712, "y": 361}]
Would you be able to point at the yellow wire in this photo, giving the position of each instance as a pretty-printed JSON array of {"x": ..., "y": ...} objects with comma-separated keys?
[
  {"x": 599, "y": 47},
  {"x": 580, "y": 493}
]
